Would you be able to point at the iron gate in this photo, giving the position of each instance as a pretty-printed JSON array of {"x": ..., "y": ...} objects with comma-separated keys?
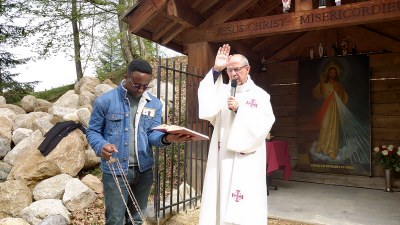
[{"x": 179, "y": 168}]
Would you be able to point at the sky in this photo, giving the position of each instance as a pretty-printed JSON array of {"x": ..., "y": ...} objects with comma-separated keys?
[{"x": 56, "y": 71}]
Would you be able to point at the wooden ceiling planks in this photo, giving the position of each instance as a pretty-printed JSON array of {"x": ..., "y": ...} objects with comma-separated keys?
[
  {"x": 229, "y": 10},
  {"x": 298, "y": 47},
  {"x": 144, "y": 12},
  {"x": 372, "y": 39}
]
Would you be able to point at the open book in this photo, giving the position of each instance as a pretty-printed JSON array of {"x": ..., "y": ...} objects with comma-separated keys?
[{"x": 175, "y": 129}]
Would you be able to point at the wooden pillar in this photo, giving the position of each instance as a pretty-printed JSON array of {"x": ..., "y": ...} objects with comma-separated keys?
[{"x": 201, "y": 57}]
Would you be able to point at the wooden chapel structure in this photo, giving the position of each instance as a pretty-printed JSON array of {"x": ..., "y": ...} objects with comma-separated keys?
[{"x": 263, "y": 29}]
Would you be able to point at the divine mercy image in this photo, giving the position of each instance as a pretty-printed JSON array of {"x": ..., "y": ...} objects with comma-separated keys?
[{"x": 334, "y": 103}]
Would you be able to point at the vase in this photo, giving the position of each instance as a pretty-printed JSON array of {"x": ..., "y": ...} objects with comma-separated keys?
[{"x": 388, "y": 180}]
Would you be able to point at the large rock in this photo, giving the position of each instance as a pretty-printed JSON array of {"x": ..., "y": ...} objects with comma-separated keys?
[
  {"x": 59, "y": 112},
  {"x": 54, "y": 220},
  {"x": 69, "y": 100},
  {"x": 91, "y": 159},
  {"x": 67, "y": 157},
  {"x": 5, "y": 135},
  {"x": 2, "y": 100},
  {"x": 101, "y": 89},
  {"x": 109, "y": 82},
  {"x": 84, "y": 116},
  {"x": 24, "y": 148},
  {"x": 77, "y": 195},
  {"x": 8, "y": 113},
  {"x": 42, "y": 124},
  {"x": 86, "y": 83},
  {"x": 93, "y": 183},
  {"x": 14, "y": 197},
  {"x": 13, "y": 221},
  {"x": 69, "y": 154},
  {"x": 51, "y": 188},
  {"x": 5, "y": 169},
  {"x": 20, "y": 134},
  {"x": 14, "y": 108},
  {"x": 29, "y": 103},
  {"x": 39, "y": 210},
  {"x": 34, "y": 170},
  {"x": 27, "y": 120},
  {"x": 86, "y": 98},
  {"x": 71, "y": 117},
  {"x": 42, "y": 102}
]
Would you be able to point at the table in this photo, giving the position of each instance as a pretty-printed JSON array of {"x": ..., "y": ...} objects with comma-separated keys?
[{"x": 278, "y": 157}]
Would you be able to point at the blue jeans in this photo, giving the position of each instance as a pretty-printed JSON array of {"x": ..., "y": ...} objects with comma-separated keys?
[{"x": 140, "y": 184}]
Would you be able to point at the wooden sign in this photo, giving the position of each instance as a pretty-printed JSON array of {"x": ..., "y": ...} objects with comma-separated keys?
[{"x": 338, "y": 16}]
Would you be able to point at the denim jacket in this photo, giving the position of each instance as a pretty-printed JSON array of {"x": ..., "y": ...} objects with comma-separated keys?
[{"x": 109, "y": 123}]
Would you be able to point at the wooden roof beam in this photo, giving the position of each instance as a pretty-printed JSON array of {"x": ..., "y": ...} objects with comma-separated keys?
[
  {"x": 290, "y": 49},
  {"x": 177, "y": 29},
  {"x": 205, "y": 5},
  {"x": 142, "y": 13},
  {"x": 167, "y": 26},
  {"x": 181, "y": 12},
  {"x": 268, "y": 46},
  {"x": 229, "y": 10},
  {"x": 372, "y": 11}
]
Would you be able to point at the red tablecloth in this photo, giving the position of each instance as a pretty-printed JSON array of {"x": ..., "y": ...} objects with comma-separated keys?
[{"x": 277, "y": 157}]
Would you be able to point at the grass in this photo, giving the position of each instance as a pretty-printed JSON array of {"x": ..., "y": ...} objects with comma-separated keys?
[{"x": 53, "y": 94}]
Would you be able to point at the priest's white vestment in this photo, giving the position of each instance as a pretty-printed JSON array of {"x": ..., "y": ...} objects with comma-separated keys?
[{"x": 235, "y": 190}]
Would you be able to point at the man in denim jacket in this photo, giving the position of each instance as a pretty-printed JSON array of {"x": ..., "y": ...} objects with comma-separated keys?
[{"x": 121, "y": 127}]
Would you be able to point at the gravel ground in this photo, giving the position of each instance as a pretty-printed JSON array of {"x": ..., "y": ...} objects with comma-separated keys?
[
  {"x": 191, "y": 217},
  {"x": 94, "y": 215}
]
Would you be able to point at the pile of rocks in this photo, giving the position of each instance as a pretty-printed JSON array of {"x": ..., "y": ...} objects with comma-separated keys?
[{"x": 37, "y": 189}]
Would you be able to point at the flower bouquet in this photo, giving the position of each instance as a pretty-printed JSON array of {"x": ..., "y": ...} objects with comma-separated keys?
[{"x": 388, "y": 156}]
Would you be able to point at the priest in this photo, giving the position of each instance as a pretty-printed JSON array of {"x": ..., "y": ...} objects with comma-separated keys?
[{"x": 235, "y": 190}]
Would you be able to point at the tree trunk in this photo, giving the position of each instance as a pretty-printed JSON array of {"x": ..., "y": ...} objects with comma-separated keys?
[
  {"x": 77, "y": 44},
  {"x": 125, "y": 40}
]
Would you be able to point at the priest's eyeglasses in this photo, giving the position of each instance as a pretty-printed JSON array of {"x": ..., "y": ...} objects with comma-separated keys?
[
  {"x": 139, "y": 86},
  {"x": 236, "y": 69}
]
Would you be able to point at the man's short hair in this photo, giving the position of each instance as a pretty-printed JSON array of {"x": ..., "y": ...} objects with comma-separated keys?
[{"x": 139, "y": 65}]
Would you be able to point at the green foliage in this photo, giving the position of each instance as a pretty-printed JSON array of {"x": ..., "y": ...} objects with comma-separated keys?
[
  {"x": 10, "y": 34},
  {"x": 95, "y": 171},
  {"x": 115, "y": 76},
  {"x": 53, "y": 94},
  {"x": 144, "y": 49},
  {"x": 110, "y": 60},
  {"x": 52, "y": 22}
]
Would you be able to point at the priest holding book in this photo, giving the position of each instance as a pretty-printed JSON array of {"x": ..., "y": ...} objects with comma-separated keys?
[{"x": 235, "y": 190}]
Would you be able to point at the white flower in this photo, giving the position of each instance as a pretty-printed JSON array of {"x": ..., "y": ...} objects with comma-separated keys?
[
  {"x": 376, "y": 149},
  {"x": 390, "y": 147},
  {"x": 385, "y": 152},
  {"x": 384, "y": 146},
  {"x": 398, "y": 151}
]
